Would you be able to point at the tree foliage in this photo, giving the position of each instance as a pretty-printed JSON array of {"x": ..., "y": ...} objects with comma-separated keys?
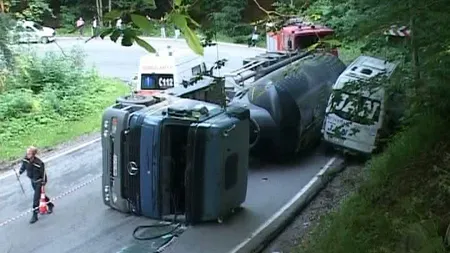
[
  {"x": 424, "y": 56},
  {"x": 6, "y": 56}
]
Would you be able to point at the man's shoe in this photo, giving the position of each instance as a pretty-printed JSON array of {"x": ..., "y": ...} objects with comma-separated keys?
[
  {"x": 50, "y": 208},
  {"x": 34, "y": 218}
]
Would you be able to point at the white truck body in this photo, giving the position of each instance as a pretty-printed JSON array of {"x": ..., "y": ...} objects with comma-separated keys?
[
  {"x": 350, "y": 131},
  {"x": 166, "y": 69}
]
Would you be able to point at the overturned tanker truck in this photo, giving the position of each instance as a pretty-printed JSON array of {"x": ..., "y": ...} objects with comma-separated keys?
[
  {"x": 287, "y": 102},
  {"x": 185, "y": 157}
]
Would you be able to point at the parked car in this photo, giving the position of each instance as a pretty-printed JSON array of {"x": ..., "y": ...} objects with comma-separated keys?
[{"x": 30, "y": 31}]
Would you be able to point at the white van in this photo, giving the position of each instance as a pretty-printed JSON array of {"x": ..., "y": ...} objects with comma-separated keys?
[
  {"x": 167, "y": 69},
  {"x": 356, "y": 117}
]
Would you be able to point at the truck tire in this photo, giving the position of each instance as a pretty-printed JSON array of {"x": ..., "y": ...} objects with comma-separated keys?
[{"x": 136, "y": 100}]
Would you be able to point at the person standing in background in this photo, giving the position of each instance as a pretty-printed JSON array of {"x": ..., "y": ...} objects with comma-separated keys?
[
  {"x": 177, "y": 32},
  {"x": 94, "y": 26},
  {"x": 254, "y": 37},
  {"x": 163, "y": 28},
  {"x": 80, "y": 26},
  {"x": 119, "y": 23}
]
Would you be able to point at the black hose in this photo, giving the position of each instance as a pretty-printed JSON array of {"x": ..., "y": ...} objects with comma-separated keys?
[
  {"x": 155, "y": 226},
  {"x": 169, "y": 234}
]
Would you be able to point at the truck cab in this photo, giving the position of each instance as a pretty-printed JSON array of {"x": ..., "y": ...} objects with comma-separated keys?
[
  {"x": 297, "y": 36},
  {"x": 177, "y": 156},
  {"x": 356, "y": 115}
]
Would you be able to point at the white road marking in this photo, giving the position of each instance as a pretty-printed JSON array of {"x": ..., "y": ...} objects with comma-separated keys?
[
  {"x": 51, "y": 158},
  {"x": 6, "y": 222},
  {"x": 276, "y": 215}
]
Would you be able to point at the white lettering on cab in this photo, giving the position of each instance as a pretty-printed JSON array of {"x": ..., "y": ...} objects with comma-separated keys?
[
  {"x": 369, "y": 109},
  {"x": 165, "y": 82}
]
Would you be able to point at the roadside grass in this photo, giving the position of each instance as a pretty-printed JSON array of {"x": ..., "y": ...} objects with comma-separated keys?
[
  {"x": 349, "y": 52},
  {"x": 49, "y": 99},
  {"x": 54, "y": 133},
  {"x": 403, "y": 204}
]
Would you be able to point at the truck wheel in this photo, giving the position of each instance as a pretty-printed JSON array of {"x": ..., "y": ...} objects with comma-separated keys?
[
  {"x": 44, "y": 40},
  {"x": 136, "y": 100}
]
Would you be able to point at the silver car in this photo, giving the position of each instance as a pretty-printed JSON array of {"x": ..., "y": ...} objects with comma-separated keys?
[{"x": 29, "y": 31}]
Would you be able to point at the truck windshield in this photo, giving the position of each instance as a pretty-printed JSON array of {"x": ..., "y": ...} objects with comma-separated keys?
[
  {"x": 358, "y": 109},
  {"x": 156, "y": 81}
]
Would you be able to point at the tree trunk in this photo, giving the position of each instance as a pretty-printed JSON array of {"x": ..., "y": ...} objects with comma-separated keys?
[
  {"x": 98, "y": 11},
  {"x": 109, "y": 10},
  {"x": 2, "y": 6},
  {"x": 414, "y": 46},
  {"x": 100, "y": 3}
]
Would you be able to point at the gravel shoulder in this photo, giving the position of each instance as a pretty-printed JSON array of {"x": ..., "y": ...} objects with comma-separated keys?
[{"x": 328, "y": 200}]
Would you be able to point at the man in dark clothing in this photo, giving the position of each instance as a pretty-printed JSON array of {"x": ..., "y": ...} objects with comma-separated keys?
[{"x": 35, "y": 169}]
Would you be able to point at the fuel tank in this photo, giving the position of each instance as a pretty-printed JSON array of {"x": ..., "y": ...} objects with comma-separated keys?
[{"x": 287, "y": 105}]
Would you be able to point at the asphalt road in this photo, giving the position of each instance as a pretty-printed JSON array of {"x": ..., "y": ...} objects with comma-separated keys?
[{"x": 81, "y": 223}]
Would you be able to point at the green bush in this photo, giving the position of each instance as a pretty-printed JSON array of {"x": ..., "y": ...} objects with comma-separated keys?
[
  {"x": 405, "y": 196},
  {"x": 50, "y": 92}
]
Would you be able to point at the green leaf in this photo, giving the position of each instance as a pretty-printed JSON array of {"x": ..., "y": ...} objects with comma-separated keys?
[
  {"x": 332, "y": 42},
  {"x": 193, "y": 41},
  {"x": 116, "y": 34},
  {"x": 128, "y": 37},
  {"x": 106, "y": 32},
  {"x": 114, "y": 14},
  {"x": 127, "y": 41},
  {"x": 193, "y": 21},
  {"x": 142, "y": 22},
  {"x": 314, "y": 46},
  {"x": 191, "y": 38},
  {"x": 144, "y": 44},
  {"x": 178, "y": 2},
  {"x": 151, "y": 3},
  {"x": 179, "y": 20}
]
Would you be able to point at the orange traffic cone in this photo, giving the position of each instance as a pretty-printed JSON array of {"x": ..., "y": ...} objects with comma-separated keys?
[{"x": 43, "y": 208}]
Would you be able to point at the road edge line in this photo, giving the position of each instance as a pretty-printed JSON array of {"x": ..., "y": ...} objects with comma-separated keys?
[
  {"x": 57, "y": 155},
  {"x": 265, "y": 233}
]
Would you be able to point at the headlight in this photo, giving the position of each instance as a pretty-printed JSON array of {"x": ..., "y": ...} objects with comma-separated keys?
[
  {"x": 114, "y": 197},
  {"x": 105, "y": 128},
  {"x": 115, "y": 165},
  {"x": 113, "y": 125}
]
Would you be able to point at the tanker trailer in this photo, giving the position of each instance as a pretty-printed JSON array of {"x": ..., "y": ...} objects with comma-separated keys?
[{"x": 287, "y": 105}]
